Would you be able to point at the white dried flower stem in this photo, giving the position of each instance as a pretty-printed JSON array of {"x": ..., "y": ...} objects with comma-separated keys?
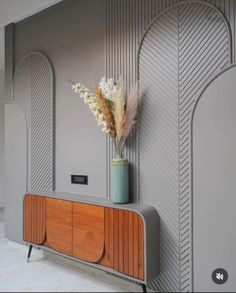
[{"x": 90, "y": 99}]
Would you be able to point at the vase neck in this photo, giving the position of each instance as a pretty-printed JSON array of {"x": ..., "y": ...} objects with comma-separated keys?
[{"x": 119, "y": 156}]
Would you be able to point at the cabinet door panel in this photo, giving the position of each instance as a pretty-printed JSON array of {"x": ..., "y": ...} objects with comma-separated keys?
[
  {"x": 88, "y": 232},
  {"x": 124, "y": 242},
  {"x": 59, "y": 225},
  {"x": 34, "y": 219}
]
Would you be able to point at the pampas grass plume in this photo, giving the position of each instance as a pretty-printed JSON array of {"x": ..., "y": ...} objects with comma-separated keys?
[
  {"x": 119, "y": 111},
  {"x": 131, "y": 112},
  {"x": 106, "y": 112}
]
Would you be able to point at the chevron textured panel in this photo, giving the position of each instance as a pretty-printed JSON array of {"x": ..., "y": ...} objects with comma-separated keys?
[
  {"x": 203, "y": 51},
  {"x": 33, "y": 89},
  {"x": 182, "y": 50},
  {"x": 158, "y": 139},
  {"x": 42, "y": 122},
  {"x": 22, "y": 96}
]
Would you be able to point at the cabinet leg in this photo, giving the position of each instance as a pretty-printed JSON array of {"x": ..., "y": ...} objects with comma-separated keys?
[
  {"x": 29, "y": 252},
  {"x": 144, "y": 287}
]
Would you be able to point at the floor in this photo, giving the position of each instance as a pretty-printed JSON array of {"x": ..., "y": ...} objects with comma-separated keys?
[{"x": 43, "y": 274}]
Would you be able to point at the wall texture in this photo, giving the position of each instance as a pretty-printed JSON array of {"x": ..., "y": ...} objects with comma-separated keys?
[
  {"x": 97, "y": 37},
  {"x": 127, "y": 22},
  {"x": 183, "y": 49},
  {"x": 33, "y": 93}
]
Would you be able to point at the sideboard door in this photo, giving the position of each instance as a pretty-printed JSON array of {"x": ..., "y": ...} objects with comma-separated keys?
[
  {"x": 34, "y": 219},
  {"x": 59, "y": 225},
  {"x": 124, "y": 242},
  {"x": 88, "y": 232}
]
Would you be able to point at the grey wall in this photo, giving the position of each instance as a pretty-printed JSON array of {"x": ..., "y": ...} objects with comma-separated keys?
[
  {"x": 1, "y": 136},
  {"x": 15, "y": 167},
  {"x": 80, "y": 37},
  {"x": 72, "y": 36},
  {"x": 75, "y": 47},
  {"x": 214, "y": 170}
]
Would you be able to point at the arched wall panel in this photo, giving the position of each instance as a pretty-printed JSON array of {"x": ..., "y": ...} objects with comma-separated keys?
[
  {"x": 126, "y": 22},
  {"x": 33, "y": 92},
  {"x": 181, "y": 51}
]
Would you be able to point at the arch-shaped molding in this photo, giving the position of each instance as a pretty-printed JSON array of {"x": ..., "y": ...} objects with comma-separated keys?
[
  {"x": 176, "y": 5},
  {"x": 33, "y": 92},
  {"x": 183, "y": 48}
]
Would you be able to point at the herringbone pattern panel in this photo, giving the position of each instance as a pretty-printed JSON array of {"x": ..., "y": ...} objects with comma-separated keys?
[
  {"x": 184, "y": 48},
  {"x": 42, "y": 125},
  {"x": 22, "y": 96},
  {"x": 33, "y": 90},
  {"x": 203, "y": 51},
  {"x": 158, "y": 139}
]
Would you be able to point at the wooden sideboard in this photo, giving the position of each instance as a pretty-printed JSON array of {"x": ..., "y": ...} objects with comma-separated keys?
[{"x": 121, "y": 239}]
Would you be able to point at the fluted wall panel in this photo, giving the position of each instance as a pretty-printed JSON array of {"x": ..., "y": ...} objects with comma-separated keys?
[{"x": 126, "y": 22}]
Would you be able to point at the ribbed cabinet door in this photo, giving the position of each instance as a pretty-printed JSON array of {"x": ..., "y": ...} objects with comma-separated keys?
[
  {"x": 124, "y": 242},
  {"x": 34, "y": 219}
]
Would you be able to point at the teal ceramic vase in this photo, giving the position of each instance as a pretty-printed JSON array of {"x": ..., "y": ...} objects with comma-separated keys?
[{"x": 120, "y": 180}]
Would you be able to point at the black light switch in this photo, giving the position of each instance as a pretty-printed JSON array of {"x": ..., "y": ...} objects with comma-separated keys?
[{"x": 79, "y": 179}]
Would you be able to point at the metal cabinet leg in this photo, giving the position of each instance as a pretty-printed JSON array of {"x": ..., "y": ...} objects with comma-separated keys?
[
  {"x": 144, "y": 287},
  {"x": 29, "y": 252}
]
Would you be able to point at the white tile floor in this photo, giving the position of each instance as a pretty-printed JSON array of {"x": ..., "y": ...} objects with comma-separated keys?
[{"x": 43, "y": 274}]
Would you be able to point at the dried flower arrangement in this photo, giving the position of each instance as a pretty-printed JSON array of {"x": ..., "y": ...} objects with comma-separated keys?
[{"x": 113, "y": 113}]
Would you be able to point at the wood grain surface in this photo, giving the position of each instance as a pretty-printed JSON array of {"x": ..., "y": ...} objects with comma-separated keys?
[
  {"x": 111, "y": 237},
  {"x": 59, "y": 225},
  {"x": 88, "y": 232}
]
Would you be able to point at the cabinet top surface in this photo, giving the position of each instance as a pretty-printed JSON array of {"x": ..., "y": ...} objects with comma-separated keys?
[{"x": 95, "y": 200}]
